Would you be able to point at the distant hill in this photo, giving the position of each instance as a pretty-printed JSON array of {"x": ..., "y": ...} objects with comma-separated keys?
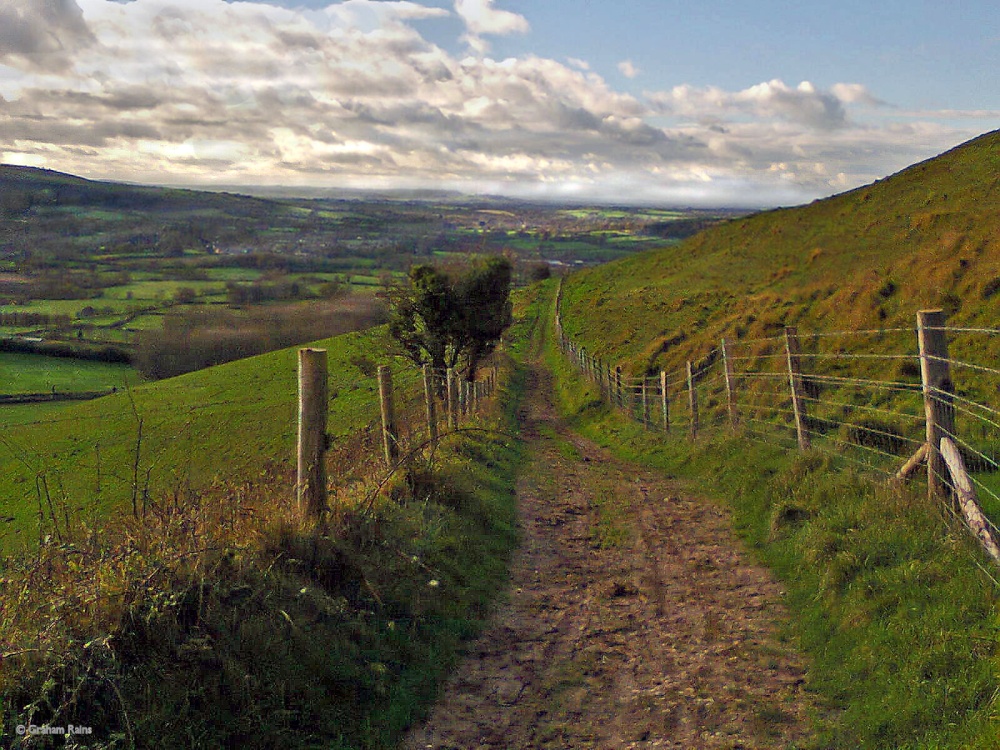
[
  {"x": 22, "y": 188},
  {"x": 928, "y": 236}
]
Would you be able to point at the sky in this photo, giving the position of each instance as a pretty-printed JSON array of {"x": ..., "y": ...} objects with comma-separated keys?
[{"x": 708, "y": 103}]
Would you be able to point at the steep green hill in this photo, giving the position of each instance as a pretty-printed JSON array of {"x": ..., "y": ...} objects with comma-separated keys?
[
  {"x": 928, "y": 236},
  {"x": 894, "y": 603}
]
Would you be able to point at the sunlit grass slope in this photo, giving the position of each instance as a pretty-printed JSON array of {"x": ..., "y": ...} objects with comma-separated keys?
[
  {"x": 225, "y": 422},
  {"x": 870, "y": 258}
]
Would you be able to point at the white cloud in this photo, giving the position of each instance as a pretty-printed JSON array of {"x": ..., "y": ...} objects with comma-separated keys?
[
  {"x": 481, "y": 18},
  {"x": 855, "y": 93},
  {"x": 628, "y": 69},
  {"x": 205, "y": 90},
  {"x": 804, "y": 104}
]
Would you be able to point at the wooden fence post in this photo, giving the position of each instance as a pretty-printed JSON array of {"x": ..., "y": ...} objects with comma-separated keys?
[
  {"x": 432, "y": 425},
  {"x": 939, "y": 411},
  {"x": 619, "y": 393},
  {"x": 692, "y": 401},
  {"x": 645, "y": 402},
  {"x": 311, "y": 476},
  {"x": 452, "y": 388},
  {"x": 965, "y": 491},
  {"x": 793, "y": 352},
  {"x": 390, "y": 436},
  {"x": 727, "y": 362},
  {"x": 665, "y": 401}
]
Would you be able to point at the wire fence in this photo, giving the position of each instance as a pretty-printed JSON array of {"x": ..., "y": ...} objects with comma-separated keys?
[
  {"x": 873, "y": 398},
  {"x": 135, "y": 447}
]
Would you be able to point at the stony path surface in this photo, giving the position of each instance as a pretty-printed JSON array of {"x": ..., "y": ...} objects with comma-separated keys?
[{"x": 634, "y": 621}]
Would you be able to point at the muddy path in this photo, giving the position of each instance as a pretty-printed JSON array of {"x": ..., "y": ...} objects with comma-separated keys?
[{"x": 633, "y": 621}]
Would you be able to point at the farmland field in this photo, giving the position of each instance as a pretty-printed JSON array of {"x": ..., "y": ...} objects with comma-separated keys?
[
  {"x": 35, "y": 373},
  {"x": 220, "y": 422}
]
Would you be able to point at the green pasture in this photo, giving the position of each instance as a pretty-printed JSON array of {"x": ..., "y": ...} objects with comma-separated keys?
[
  {"x": 234, "y": 274},
  {"x": 222, "y": 422},
  {"x": 153, "y": 291},
  {"x": 35, "y": 373},
  {"x": 149, "y": 322},
  {"x": 65, "y": 306}
]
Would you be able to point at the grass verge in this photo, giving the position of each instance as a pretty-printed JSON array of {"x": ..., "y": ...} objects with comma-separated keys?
[
  {"x": 222, "y": 621},
  {"x": 886, "y": 592}
]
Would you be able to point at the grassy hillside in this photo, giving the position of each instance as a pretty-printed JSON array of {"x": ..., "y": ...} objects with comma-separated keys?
[
  {"x": 892, "y": 600},
  {"x": 221, "y": 423},
  {"x": 926, "y": 237},
  {"x": 33, "y": 373},
  {"x": 226, "y": 620}
]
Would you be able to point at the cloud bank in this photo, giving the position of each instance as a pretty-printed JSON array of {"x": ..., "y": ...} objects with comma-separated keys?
[{"x": 354, "y": 95}]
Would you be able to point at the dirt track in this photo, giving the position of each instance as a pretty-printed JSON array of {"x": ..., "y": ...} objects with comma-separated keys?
[{"x": 634, "y": 620}]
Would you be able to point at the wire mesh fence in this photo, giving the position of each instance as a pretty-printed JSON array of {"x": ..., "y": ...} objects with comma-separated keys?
[{"x": 880, "y": 400}]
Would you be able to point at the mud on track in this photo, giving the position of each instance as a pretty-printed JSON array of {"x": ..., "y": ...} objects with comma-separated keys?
[{"x": 634, "y": 620}]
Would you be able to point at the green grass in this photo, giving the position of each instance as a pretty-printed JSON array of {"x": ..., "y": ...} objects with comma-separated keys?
[
  {"x": 866, "y": 259},
  {"x": 62, "y": 306},
  {"x": 887, "y": 594},
  {"x": 220, "y": 423},
  {"x": 32, "y": 373},
  {"x": 287, "y": 637},
  {"x": 151, "y": 322},
  {"x": 233, "y": 274},
  {"x": 145, "y": 291}
]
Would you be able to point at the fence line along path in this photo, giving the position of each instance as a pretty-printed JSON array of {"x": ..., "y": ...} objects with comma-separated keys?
[{"x": 835, "y": 398}]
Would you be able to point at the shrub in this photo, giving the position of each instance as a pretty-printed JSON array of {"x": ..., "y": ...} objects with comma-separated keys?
[{"x": 991, "y": 287}]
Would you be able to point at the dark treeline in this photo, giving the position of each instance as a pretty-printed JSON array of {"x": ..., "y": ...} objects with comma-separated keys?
[
  {"x": 34, "y": 319},
  {"x": 255, "y": 294},
  {"x": 68, "y": 350},
  {"x": 195, "y": 338}
]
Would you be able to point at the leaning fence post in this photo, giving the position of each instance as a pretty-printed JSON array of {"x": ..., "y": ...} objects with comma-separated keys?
[
  {"x": 665, "y": 401},
  {"x": 452, "y": 388},
  {"x": 692, "y": 401},
  {"x": 727, "y": 362},
  {"x": 432, "y": 426},
  {"x": 794, "y": 352},
  {"x": 935, "y": 374},
  {"x": 311, "y": 476},
  {"x": 390, "y": 436}
]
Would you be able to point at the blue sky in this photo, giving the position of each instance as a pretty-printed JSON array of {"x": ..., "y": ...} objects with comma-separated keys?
[{"x": 750, "y": 103}]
